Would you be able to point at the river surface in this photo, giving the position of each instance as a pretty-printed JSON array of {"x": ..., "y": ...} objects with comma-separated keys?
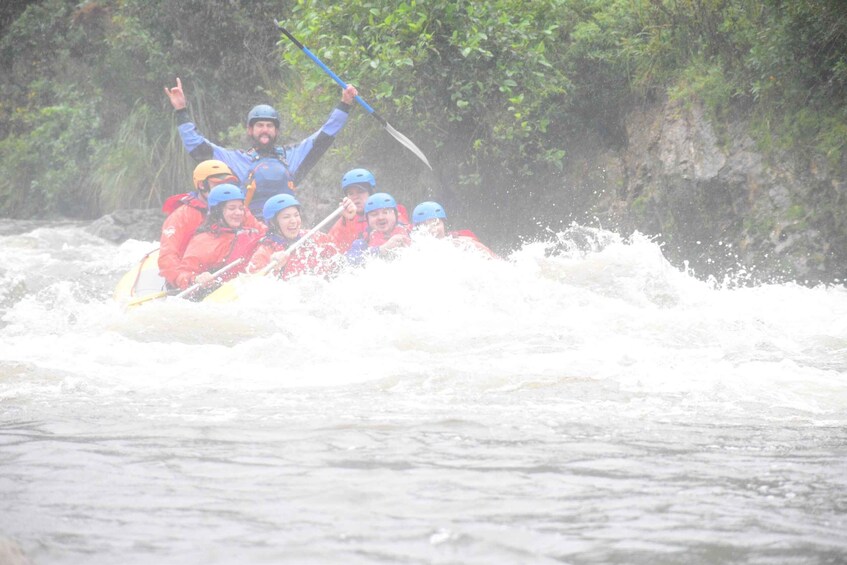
[{"x": 582, "y": 401}]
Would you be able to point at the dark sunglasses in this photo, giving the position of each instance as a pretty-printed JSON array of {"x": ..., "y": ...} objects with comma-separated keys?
[{"x": 222, "y": 178}]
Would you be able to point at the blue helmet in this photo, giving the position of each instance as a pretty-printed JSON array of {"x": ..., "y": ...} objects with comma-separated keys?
[
  {"x": 427, "y": 211},
  {"x": 263, "y": 112},
  {"x": 358, "y": 176},
  {"x": 224, "y": 193},
  {"x": 378, "y": 201},
  {"x": 276, "y": 204}
]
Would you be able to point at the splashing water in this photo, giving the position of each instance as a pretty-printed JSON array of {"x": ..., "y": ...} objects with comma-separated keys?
[{"x": 582, "y": 401}]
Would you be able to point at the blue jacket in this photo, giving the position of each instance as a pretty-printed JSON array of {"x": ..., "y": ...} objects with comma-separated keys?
[
  {"x": 360, "y": 251},
  {"x": 298, "y": 158}
]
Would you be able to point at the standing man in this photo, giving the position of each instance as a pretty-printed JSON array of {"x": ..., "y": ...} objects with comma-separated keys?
[{"x": 265, "y": 169}]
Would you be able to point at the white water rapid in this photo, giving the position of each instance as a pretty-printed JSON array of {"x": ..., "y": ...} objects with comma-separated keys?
[{"x": 588, "y": 405}]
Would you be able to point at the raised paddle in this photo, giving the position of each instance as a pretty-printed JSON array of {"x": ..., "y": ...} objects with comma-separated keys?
[
  {"x": 229, "y": 291},
  {"x": 394, "y": 133}
]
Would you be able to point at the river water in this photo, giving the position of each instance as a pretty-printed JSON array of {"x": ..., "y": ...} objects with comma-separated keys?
[{"x": 581, "y": 402}]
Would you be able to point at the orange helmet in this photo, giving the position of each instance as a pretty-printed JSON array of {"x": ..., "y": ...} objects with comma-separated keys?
[{"x": 212, "y": 168}]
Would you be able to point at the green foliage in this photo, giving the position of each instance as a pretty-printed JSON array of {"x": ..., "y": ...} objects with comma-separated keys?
[
  {"x": 496, "y": 93},
  {"x": 84, "y": 124},
  {"x": 40, "y": 171},
  {"x": 140, "y": 164},
  {"x": 484, "y": 73},
  {"x": 784, "y": 62}
]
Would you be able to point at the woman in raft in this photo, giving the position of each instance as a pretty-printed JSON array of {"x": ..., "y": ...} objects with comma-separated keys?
[
  {"x": 319, "y": 256},
  {"x": 220, "y": 240}
]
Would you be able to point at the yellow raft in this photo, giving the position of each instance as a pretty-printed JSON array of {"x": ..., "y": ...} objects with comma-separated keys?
[{"x": 142, "y": 282}]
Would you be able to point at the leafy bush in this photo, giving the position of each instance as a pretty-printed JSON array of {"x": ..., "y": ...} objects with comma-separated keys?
[
  {"x": 497, "y": 93},
  {"x": 84, "y": 125}
]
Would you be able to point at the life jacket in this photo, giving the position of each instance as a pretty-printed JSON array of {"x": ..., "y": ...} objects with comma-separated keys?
[
  {"x": 211, "y": 248},
  {"x": 467, "y": 238},
  {"x": 377, "y": 238},
  {"x": 184, "y": 199},
  {"x": 463, "y": 233},
  {"x": 269, "y": 175},
  {"x": 315, "y": 257},
  {"x": 243, "y": 244}
]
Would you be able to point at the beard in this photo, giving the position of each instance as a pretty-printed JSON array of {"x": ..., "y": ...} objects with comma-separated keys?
[{"x": 264, "y": 143}]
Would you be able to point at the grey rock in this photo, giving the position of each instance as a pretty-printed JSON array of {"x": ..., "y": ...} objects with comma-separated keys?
[
  {"x": 120, "y": 225},
  {"x": 718, "y": 204}
]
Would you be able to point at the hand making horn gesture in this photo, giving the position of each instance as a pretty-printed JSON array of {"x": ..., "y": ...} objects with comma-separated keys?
[{"x": 176, "y": 95}]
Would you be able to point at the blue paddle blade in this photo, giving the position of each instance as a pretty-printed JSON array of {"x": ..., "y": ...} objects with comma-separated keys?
[{"x": 394, "y": 133}]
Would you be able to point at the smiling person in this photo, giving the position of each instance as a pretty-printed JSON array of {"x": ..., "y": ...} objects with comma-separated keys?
[
  {"x": 285, "y": 227},
  {"x": 220, "y": 240},
  {"x": 357, "y": 185},
  {"x": 186, "y": 212},
  {"x": 386, "y": 232},
  {"x": 265, "y": 168}
]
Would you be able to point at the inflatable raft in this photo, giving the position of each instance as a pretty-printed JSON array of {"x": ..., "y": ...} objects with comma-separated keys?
[{"x": 142, "y": 282}]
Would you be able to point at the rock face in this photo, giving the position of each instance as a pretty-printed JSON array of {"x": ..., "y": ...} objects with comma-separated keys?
[
  {"x": 144, "y": 225},
  {"x": 718, "y": 205}
]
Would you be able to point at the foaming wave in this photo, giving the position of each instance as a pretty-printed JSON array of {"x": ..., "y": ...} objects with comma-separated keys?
[
  {"x": 633, "y": 269},
  {"x": 585, "y": 305}
]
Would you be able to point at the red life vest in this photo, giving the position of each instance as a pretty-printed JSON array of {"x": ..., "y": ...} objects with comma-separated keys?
[
  {"x": 185, "y": 199},
  {"x": 314, "y": 257},
  {"x": 377, "y": 238},
  {"x": 244, "y": 242},
  {"x": 463, "y": 233}
]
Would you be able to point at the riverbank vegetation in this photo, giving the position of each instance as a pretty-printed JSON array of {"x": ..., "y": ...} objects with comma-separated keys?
[{"x": 495, "y": 93}]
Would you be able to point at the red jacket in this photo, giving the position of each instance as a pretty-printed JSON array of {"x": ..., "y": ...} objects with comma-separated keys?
[
  {"x": 345, "y": 232},
  {"x": 315, "y": 257},
  {"x": 211, "y": 250},
  {"x": 469, "y": 237},
  {"x": 463, "y": 233},
  {"x": 378, "y": 239},
  {"x": 186, "y": 213},
  {"x": 363, "y": 248}
]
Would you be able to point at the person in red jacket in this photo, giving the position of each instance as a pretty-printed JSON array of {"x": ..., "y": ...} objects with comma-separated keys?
[
  {"x": 317, "y": 257},
  {"x": 430, "y": 218},
  {"x": 187, "y": 211},
  {"x": 357, "y": 185},
  {"x": 220, "y": 240},
  {"x": 386, "y": 232}
]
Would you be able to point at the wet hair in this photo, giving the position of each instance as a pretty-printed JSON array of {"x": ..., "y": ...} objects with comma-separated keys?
[
  {"x": 214, "y": 219},
  {"x": 273, "y": 224}
]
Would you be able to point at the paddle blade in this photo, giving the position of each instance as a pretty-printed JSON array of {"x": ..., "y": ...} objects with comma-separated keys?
[
  {"x": 145, "y": 299},
  {"x": 407, "y": 142}
]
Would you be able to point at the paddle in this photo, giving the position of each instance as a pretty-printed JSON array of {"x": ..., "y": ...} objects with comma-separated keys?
[
  {"x": 217, "y": 273},
  {"x": 149, "y": 297},
  {"x": 229, "y": 291},
  {"x": 394, "y": 133},
  {"x": 185, "y": 292}
]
